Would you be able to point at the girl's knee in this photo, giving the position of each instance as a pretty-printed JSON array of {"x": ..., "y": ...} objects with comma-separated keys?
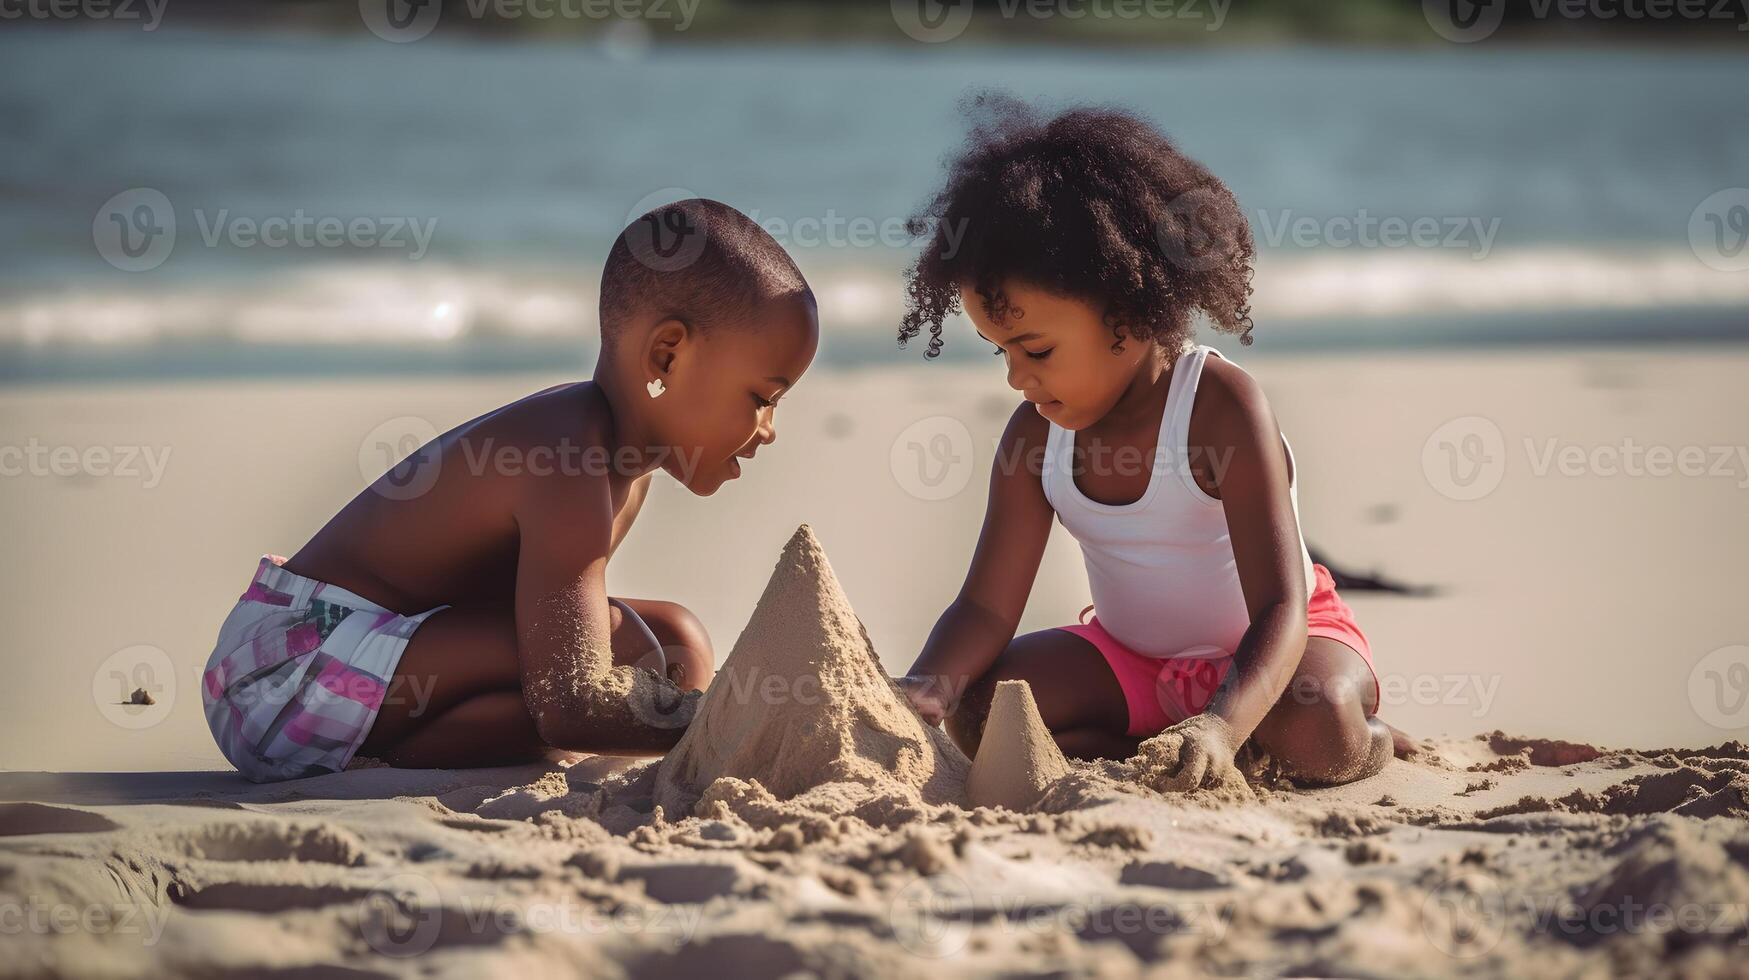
[{"x": 1321, "y": 742}]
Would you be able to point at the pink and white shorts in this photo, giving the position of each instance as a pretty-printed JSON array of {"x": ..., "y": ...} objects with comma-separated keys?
[
  {"x": 299, "y": 673},
  {"x": 1161, "y": 692}
]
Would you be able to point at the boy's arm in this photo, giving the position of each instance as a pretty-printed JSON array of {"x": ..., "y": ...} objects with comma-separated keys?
[
  {"x": 972, "y": 632},
  {"x": 1253, "y": 479},
  {"x": 576, "y": 696}
]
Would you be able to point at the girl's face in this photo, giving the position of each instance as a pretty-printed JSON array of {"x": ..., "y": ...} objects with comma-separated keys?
[{"x": 1058, "y": 352}]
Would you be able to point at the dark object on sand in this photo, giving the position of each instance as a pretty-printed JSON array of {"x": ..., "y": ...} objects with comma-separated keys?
[
  {"x": 1348, "y": 580},
  {"x": 140, "y": 696}
]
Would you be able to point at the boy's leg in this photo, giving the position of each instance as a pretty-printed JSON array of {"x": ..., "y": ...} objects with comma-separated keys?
[
  {"x": 1078, "y": 698},
  {"x": 449, "y": 703},
  {"x": 1323, "y": 729},
  {"x": 686, "y": 646}
]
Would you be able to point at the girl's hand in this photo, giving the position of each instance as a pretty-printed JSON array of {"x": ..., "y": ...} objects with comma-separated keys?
[
  {"x": 1194, "y": 754},
  {"x": 926, "y": 696}
]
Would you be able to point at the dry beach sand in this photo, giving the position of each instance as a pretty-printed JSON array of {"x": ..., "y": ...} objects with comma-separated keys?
[
  {"x": 1568, "y": 606},
  {"x": 810, "y": 824}
]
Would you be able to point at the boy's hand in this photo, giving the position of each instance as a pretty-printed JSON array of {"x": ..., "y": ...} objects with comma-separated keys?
[
  {"x": 1194, "y": 754},
  {"x": 926, "y": 695}
]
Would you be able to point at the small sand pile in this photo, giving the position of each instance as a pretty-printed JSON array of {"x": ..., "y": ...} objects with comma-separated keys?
[
  {"x": 802, "y": 701},
  {"x": 1017, "y": 759}
]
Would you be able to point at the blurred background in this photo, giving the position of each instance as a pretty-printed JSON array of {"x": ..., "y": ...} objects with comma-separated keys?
[{"x": 251, "y": 253}]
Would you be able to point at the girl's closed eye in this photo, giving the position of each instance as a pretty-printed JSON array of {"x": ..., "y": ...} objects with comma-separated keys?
[
  {"x": 1037, "y": 356},
  {"x": 762, "y": 402}
]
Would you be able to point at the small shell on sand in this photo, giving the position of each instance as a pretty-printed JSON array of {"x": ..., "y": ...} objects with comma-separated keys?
[
  {"x": 1017, "y": 758},
  {"x": 141, "y": 696}
]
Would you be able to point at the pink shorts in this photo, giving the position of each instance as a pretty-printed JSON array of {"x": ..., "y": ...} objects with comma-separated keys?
[{"x": 1162, "y": 692}]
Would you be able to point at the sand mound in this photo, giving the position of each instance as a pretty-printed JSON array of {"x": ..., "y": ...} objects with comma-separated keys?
[
  {"x": 1017, "y": 759},
  {"x": 802, "y": 701}
]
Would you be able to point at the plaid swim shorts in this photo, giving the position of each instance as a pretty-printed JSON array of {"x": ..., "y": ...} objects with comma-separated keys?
[{"x": 299, "y": 673}]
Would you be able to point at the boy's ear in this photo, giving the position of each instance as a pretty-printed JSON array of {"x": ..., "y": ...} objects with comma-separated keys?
[{"x": 667, "y": 338}]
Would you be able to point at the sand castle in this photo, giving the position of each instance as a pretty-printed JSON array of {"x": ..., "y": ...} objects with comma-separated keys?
[
  {"x": 1018, "y": 760},
  {"x": 803, "y": 701}
]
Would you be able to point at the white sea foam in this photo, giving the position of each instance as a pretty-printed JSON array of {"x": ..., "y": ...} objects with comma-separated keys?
[{"x": 432, "y": 304}]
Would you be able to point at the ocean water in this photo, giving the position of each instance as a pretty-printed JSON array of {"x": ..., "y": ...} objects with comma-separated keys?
[{"x": 340, "y": 204}]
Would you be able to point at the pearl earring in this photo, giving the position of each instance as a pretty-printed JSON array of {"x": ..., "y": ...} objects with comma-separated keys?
[{"x": 655, "y": 388}]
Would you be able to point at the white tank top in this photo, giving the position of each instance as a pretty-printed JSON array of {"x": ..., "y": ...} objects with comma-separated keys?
[{"x": 1161, "y": 568}]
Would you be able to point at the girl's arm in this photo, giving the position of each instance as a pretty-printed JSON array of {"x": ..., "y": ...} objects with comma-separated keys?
[
  {"x": 1251, "y": 472},
  {"x": 975, "y": 628}
]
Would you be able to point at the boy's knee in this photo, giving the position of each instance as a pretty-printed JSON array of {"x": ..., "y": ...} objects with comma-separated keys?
[
  {"x": 677, "y": 626},
  {"x": 685, "y": 643}
]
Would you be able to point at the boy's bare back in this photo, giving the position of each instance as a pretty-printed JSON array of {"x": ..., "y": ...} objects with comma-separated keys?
[{"x": 443, "y": 525}]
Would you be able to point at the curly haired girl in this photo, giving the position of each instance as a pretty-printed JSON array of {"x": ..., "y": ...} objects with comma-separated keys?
[{"x": 1081, "y": 246}]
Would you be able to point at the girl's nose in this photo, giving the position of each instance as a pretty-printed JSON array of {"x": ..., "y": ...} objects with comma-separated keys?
[
  {"x": 768, "y": 427},
  {"x": 1019, "y": 377}
]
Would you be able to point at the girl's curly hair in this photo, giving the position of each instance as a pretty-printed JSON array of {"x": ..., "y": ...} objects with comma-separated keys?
[{"x": 1093, "y": 203}]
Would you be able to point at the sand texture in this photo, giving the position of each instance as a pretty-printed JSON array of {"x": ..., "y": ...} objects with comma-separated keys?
[{"x": 823, "y": 830}]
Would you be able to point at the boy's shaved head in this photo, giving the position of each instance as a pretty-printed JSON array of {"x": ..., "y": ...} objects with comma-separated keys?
[{"x": 698, "y": 261}]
